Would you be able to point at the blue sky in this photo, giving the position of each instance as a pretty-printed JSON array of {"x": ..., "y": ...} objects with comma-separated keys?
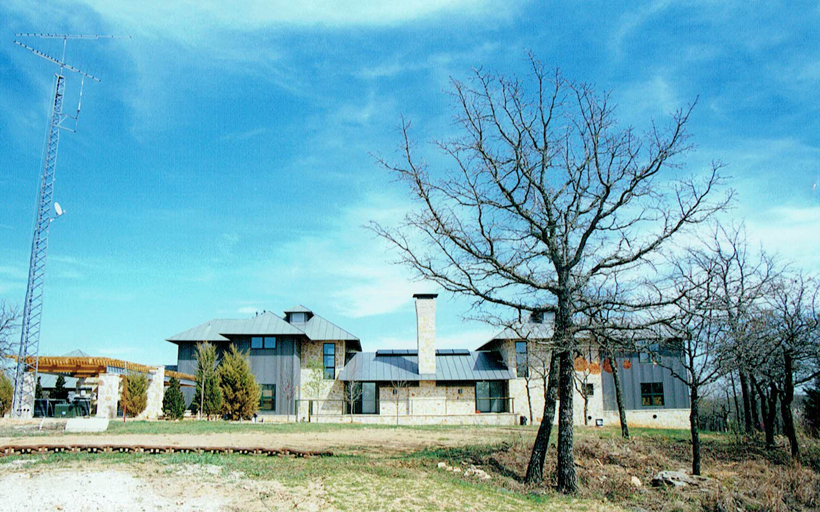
[{"x": 224, "y": 166}]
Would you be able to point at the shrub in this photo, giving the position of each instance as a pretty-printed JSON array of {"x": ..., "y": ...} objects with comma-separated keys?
[
  {"x": 207, "y": 378},
  {"x": 240, "y": 391},
  {"x": 173, "y": 403},
  {"x": 6, "y": 394},
  {"x": 136, "y": 398}
]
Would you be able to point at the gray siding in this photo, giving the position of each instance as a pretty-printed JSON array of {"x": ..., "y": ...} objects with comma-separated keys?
[
  {"x": 279, "y": 366},
  {"x": 675, "y": 392}
]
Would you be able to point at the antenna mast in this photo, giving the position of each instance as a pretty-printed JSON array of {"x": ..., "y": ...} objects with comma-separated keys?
[{"x": 28, "y": 355}]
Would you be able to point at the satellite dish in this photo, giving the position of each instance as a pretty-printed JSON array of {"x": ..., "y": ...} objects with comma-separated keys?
[{"x": 58, "y": 209}]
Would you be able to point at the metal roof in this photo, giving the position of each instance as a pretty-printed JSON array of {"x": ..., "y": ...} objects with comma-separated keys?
[
  {"x": 522, "y": 331},
  {"x": 317, "y": 328},
  {"x": 472, "y": 366}
]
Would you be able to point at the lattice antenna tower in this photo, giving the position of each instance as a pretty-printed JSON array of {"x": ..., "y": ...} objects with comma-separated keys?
[{"x": 28, "y": 353}]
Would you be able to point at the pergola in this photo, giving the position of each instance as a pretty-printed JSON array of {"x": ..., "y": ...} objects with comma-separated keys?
[{"x": 82, "y": 367}]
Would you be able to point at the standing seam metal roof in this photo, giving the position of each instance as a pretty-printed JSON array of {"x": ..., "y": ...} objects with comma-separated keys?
[{"x": 475, "y": 366}]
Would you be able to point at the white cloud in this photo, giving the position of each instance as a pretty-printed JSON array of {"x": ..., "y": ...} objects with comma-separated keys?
[{"x": 196, "y": 18}]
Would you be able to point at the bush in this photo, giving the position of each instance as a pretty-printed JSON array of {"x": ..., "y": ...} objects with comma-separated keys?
[
  {"x": 173, "y": 403},
  {"x": 136, "y": 398},
  {"x": 240, "y": 391},
  {"x": 6, "y": 394},
  {"x": 207, "y": 376}
]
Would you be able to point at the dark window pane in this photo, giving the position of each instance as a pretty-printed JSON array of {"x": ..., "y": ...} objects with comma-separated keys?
[
  {"x": 267, "y": 401},
  {"x": 330, "y": 361},
  {"x": 330, "y": 373},
  {"x": 652, "y": 394},
  {"x": 256, "y": 342},
  {"x": 368, "y": 398},
  {"x": 270, "y": 342}
]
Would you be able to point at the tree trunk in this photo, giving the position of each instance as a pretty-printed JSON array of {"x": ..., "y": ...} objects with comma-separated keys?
[
  {"x": 693, "y": 427},
  {"x": 786, "y": 404},
  {"x": 535, "y": 469},
  {"x": 567, "y": 480},
  {"x": 764, "y": 406},
  {"x": 619, "y": 399},
  {"x": 744, "y": 391},
  {"x": 753, "y": 402},
  {"x": 529, "y": 397},
  {"x": 734, "y": 394},
  {"x": 771, "y": 417}
]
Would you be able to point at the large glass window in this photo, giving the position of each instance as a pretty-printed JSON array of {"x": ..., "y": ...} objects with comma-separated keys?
[
  {"x": 298, "y": 318},
  {"x": 490, "y": 396},
  {"x": 330, "y": 360},
  {"x": 652, "y": 394},
  {"x": 267, "y": 402},
  {"x": 521, "y": 359},
  {"x": 270, "y": 342},
  {"x": 362, "y": 398},
  {"x": 256, "y": 342}
]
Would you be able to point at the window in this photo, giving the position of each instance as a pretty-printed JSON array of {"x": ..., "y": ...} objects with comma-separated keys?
[
  {"x": 330, "y": 361},
  {"x": 298, "y": 318},
  {"x": 260, "y": 342},
  {"x": 652, "y": 394},
  {"x": 490, "y": 396},
  {"x": 589, "y": 389},
  {"x": 267, "y": 402},
  {"x": 361, "y": 398},
  {"x": 537, "y": 317},
  {"x": 521, "y": 359}
]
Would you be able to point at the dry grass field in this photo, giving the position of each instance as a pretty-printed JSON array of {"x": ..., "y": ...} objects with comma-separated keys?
[{"x": 394, "y": 468}]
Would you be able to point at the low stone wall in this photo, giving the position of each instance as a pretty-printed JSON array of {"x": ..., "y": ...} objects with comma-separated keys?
[
  {"x": 657, "y": 418},
  {"x": 453, "y": 419}
]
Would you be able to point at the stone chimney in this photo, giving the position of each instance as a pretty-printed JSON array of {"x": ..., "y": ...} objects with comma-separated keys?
[{"x": 426, "y": 333}]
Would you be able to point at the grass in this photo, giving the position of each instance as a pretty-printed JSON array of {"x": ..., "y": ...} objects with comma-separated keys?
[{"x": 354, "y": 483}]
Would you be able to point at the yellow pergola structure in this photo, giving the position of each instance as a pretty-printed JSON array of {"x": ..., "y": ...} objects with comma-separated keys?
[{"x": 82, "y": 367}]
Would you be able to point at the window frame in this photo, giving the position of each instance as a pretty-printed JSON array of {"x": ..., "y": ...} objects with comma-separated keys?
[
  {"x": 359, "y": 402},
  {"x": 650, "y": 392},
  {"x": 522, "y": 359},
  {"x": 261, "y": 341},
  {"x": 265, "y": 341},
  {"x": 325, "y": 366},
  {"x": 493, "y": 403},
  {"x": 262, "y": 388}
]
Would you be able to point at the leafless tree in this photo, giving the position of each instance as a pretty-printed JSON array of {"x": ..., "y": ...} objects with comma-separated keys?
[
  {"x": 352, "y": 394},
  {"x": 796, "y": 331},
  {"x": 547, "y": 195},
  {"x": 9, "y": 316},
  {"x": 398, "y": 385},
  {"x": 697, "y": 327}
]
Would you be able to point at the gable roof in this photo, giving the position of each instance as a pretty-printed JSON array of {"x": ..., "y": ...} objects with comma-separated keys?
[
  {"x": 298, "y": 309},
  {"x": 390, "y": 366},
  {"x": 522, "y": 331},
  {"x": 266, "y": 324}
]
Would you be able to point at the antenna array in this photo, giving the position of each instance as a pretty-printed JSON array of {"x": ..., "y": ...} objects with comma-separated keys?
[{"x": 28, "y": 354}]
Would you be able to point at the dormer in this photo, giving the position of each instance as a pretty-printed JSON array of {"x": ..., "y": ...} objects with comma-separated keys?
[{"x": 298, "y": 315}]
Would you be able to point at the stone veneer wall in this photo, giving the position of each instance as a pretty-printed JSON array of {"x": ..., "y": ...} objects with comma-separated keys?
[
  {"x": 332, "y": 391},
  {"x": 108, "y": 395},
  {"x": 426, "y": 335},
  {"x": 156, "y": 391},
  {"x": 651, "y": 418}
]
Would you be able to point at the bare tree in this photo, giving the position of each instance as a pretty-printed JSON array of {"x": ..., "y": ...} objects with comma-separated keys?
[
  {"x": 547, "y": 195},
  {"x": 352, "y": 394},
  {"x": 583, "y": 372},
  {"x": 398, "y": 385},
  {"x": 9, "y": 315},
  {"x": 697, "y": 327},
  {"x": 796, "y": 320}
]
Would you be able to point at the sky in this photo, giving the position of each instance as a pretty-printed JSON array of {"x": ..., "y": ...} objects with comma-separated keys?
[{"x": 226, "y": 162}]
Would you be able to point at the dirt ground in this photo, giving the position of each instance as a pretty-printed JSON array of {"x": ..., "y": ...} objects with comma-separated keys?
[
  {"x": 347, "y": 440},
  {"x": 148, "y": 487}
]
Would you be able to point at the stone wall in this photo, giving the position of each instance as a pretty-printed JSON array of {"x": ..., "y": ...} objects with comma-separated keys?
[
  {"x": 426, "y": 335},
  {"x": 331, "y": 392},
  {"x": 156, "y": 391},
  {"x": 108, "y": 395},
  {"x": 651, "y": 418}
]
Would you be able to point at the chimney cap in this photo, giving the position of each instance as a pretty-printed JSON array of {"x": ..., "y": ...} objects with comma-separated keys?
[{"x": 425, "y": 295}]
